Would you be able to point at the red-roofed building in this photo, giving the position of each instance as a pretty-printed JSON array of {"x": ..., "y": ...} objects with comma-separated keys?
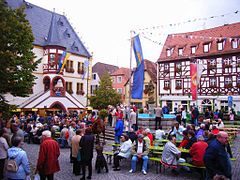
[
  {"x": 217, "y": 52},
  {"x": 120, "y": 77}
]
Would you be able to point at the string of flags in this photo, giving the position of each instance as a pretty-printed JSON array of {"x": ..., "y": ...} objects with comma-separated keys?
[{"x": 187, "y": 21}]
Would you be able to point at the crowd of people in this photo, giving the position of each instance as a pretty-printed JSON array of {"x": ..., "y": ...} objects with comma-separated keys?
[{"x": 203, "y": 138}]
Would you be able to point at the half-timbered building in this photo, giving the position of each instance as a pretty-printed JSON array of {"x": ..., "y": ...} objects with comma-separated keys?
[{"x": 216, "y": 52}]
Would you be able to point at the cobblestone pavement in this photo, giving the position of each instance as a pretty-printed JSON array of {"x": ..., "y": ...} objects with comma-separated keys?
[{"x": 66, "y": 167}]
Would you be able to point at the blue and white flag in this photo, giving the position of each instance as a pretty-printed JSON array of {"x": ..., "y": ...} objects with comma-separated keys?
[
  {"x": 138, "y": 77},
  {"x": 86, "y": 64}
]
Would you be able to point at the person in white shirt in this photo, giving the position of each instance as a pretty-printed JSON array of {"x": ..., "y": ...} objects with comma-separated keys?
[
  {"x": 159, "y": 133},
  {"x": 124, "y": 152}
]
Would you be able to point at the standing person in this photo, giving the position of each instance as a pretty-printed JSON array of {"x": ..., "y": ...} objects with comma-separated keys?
[
  {"x": 184, "y": 116},
  {"x": 75, "y": 150},
  {"x": 110, "y": 115},
  {"x": 3, "y": 152},
  {"x": 195, "y": 114},
  {"x": 71, "y": 132},
  {"x": 49, "y": 152},
  {"x": 20, "y": 156},
  {"x": 86, "y": 144},
  {"x": 158, "y": 118},
  {"x": 216, "y": 158},
  {"x": 118, "y": 130},
  {"x": 133, "y": 120}
]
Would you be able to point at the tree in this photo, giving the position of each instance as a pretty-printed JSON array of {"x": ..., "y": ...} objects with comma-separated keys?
[
  {"x": 16, "y": 55},
  {"x": 105, "y": 95}
]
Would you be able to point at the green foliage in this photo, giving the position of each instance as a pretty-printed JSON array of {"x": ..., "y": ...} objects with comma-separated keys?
[
  {"x": 105, "y": 95},
  {"x": 16, "y": 55},
  {"x": 103, "y": 113}
]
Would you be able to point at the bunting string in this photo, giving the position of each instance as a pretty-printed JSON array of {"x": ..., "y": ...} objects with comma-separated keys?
[{"x": 188, "y": 21}]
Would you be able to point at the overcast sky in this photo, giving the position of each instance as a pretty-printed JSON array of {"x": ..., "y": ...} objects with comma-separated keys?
[{"x": 104, "y": 25}]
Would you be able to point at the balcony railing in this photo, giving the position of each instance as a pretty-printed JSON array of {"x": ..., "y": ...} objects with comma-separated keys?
[{"x": 50, "y": 68}]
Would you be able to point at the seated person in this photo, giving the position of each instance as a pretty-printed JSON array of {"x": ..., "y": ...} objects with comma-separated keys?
[
  {"x": 139, "y": 151},
  {"x": 192, "y": 139},
  {"x": 124, "y": 151},
  {"x": 171, "y": 155},
  {"x": 197, "y": 151},
  {"x": 132, "y": 135},
  {"x": 149, "y": 135},
  {"x": 177, "y": 131},
  {"x": 146, "y": 139},
  {"x": 185, "y": 139},
  {"x": 200, "y": 131}
]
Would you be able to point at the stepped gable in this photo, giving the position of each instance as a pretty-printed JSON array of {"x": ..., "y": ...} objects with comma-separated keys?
[
  {"x": 101, "y": 68},
  {"x": 198, "y": 39},
  {"x": 50, "y": 28}
]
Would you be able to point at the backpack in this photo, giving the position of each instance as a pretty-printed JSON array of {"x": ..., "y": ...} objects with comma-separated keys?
[{"x": 12, "y": 165}]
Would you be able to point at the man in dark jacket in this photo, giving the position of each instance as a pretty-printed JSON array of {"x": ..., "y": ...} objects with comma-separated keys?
[
  {"x": 86, "y": 144},
  {"x": 216, "y": 158}
]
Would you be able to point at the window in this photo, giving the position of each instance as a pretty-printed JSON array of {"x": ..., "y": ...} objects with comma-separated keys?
[
  {"x": 212, "y": 82},
  {"x": 119, "y": 79},
  {"x": 238, "y": 80},
  {"x": 168, "y": 52},
  {"x": 166, "y": 67},
  {"x": 80, "y": 89},
  {"x": 69, "y": 87},
  {"x": 227, "y": 62},
  {"x": 93, "y": 88},
  {"x": 178, "y": 84},
  {"x": 80, "y": 68},
  {"x": 235, "y": 44},
  {"x": 180, "y": 51},
  {"x": 206, "y": 48},
  {"x": 119, "y": 90},
  {"x": 212, "y": 63},
  {"x": 52, "y": 58},
  {"x": 193, "y": 49},
  {"x": 228, "y": 81},
  {"x": 166, "y": 85},
  {"x": 178, "y": 66},
  {"x": 69, "y": 66},
  {"x": 94, "y": 76},
  {"x": 220, "y": 45}
]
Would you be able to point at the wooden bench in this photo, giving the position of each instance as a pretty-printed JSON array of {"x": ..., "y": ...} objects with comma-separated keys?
[
  {"x": 201, "y": 168},
  {"x": 156, "y": 161},
  {"x": 109, "y": 156}
]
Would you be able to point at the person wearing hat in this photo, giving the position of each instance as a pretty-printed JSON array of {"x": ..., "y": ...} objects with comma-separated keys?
[
  {"x": 139, "y": 151},
  {"x": 197, "y": 151}
]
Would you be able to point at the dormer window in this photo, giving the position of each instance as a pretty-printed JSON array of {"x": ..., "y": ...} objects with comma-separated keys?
[
  {"x": 193, "y": 49},
  {"x": 168, "y": 52},
  {"x": 220, "y": 45},
  {"x": 206, "y": 48},
  {"x": 234, "y": 43},
  {"x": 180, "y": 51}
]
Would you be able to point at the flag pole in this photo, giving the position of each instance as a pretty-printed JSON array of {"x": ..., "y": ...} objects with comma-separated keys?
[{"x": 130, "y": 71}]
